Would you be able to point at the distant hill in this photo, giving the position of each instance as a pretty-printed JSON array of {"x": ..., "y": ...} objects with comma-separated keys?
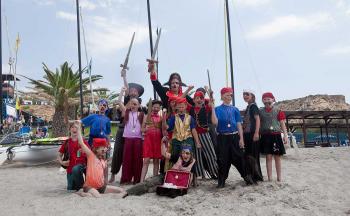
[{"x": 315, "y": 103}]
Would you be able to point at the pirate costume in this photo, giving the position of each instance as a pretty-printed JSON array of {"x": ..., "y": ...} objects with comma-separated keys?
[
  {"x": 228, "y": 149},
  {"x": 206, "y": 156},
  {"x": 153, "y": 135},
  {"x": 181, "y": 125},
  {"x": 270, "y": 129},
  {"x": 164, "y": 92},
  {"x": 252, "y": 148},
  {"x": 118, "y": 150},
  {"x": 100, "y": 125}
]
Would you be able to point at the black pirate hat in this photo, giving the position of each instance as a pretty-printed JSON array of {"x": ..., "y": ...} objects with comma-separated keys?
[
  {"x": 173, "y": 76},
  {"x": 138, "y": 87}
]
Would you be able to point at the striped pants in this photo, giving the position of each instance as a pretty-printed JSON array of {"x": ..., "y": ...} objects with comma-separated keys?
[{"x": 206, "y": 157}]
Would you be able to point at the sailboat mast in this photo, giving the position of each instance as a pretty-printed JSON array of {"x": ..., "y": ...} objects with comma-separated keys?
[
  {"x": 15, "y": 67},
  {"x": 88, "y": 63},
  {"x": 79, "y": 59},
  {"x": 150, "y": 37},
  {"x": 230, "y": 49}
]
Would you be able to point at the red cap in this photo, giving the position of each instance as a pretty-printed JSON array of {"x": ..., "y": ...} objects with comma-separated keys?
[
  {"x": 99, "y": 142},
  {"x": 226, "y": 90},
  {"x": 198, "y": 94},
  {"x": 268, "y": 95},
  {"x": 181, "y": 101}
]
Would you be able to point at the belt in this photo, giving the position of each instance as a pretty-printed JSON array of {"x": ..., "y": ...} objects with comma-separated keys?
[{"x": 233, "y": 133}]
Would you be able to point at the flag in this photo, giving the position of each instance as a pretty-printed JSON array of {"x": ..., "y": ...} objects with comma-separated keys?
[
  {"x": 18, "y": 104},
  {"x": 18, "y": 41},
  {"x": 90, "y": 66}
]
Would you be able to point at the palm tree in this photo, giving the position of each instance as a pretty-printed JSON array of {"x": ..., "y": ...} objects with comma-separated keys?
[
  {"x": 63, "y": 88},
  {"x": 106, "y": 94}
]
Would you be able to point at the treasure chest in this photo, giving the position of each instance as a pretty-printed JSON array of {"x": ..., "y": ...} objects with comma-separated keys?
[{"x": 175, "y": 184}]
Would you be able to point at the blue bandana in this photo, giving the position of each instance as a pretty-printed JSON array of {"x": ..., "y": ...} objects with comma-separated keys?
[{"x": 102, "y": 101}]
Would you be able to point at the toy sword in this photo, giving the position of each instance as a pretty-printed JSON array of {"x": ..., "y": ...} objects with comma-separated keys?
[
  {"x": 210, "y": 90},
  {"x": 155, "y": 48},
  {"x": 125, "y": 65}
]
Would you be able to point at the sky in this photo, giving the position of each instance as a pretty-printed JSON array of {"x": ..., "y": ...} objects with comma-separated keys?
[{"x": 291, "y": 48}]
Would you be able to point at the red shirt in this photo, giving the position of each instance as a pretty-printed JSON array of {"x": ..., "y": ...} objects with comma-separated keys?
[{"x": 73, "y": 149}]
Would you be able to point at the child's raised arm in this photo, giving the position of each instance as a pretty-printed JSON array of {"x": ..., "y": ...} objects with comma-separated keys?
[{"x": 85, "y": 149}]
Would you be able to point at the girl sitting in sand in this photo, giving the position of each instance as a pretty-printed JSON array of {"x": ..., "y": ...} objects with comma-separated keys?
[
  {"x": 96, "y": 172},
  {"x": 185, "y": 162}
]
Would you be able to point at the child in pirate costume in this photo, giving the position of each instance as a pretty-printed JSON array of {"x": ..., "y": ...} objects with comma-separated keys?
[
  {"x": 272, "y": 125},
  {"x": 132, "y": 155},
  {"x": 96, "y": 172},
  {"x": 100, "y": 125},
  {"x": 76, "y": 163},
  {"x": 131, "y": 90},
  {"x": 152, "y": 128},
  {"x": 251, "y": 127},
  {"x": 185, "y": 162},
  {"x": 230, "y": 139},
  {"x": 183, "y": 127},
  {"x": 203, "y": 114}
]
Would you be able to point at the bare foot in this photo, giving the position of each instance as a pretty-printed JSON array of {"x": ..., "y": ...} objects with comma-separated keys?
[{"x": 83, "y": 194}]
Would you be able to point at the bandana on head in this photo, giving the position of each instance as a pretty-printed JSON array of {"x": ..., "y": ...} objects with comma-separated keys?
[
  {"x": 251, "y": 91},
  {"x": 198, "y": 94},
  {"x": 99, "y": 142},
  {"x": 268, "y": 95},
  {"x": 187, "y": 147},
  {"x": 181, "y": 101},
  {"x": 103, "y": 101},
  {"x": 226, "y": 90}
]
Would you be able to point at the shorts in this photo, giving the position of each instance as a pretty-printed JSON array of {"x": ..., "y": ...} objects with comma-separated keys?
[{"x": 272, "y": 144}]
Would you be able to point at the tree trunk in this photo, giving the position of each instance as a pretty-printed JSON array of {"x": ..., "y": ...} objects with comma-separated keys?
[
  {"x": 72, "y": 112},
  {"x": 59, "y": 127}
]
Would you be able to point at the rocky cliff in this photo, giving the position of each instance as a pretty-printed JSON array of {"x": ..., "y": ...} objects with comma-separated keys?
[{"x": 315, "y": 103}]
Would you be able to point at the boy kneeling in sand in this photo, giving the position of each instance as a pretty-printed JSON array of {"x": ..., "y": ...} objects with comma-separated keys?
[{"x": 96, "y": 172}]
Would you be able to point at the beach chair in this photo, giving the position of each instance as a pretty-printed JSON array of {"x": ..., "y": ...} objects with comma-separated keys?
[{"x": 176, "y": 183}]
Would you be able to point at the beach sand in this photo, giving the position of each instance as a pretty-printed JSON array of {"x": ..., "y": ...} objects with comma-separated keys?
[{"x": 315, "y": 182}]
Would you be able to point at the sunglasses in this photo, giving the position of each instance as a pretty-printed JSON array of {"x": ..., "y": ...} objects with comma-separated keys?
[
  {"x": 186, "y": 152},
  {"x": 104, "y": 105},
  {"x": 246, "y": 93}
]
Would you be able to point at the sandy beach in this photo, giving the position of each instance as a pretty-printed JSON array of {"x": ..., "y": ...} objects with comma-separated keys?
[{"x": 315, "y": 182}]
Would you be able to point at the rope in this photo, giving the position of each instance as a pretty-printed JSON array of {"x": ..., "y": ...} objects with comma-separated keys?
[
  {"x": 248, "y": 50},
  {"x": 215, "y": 37},
  {"x": 226, "y": 60},
  {"x": 87, "y": 59}
]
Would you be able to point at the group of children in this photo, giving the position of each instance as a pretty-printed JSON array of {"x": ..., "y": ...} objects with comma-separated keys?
[{"x": 188, "y": 134}]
